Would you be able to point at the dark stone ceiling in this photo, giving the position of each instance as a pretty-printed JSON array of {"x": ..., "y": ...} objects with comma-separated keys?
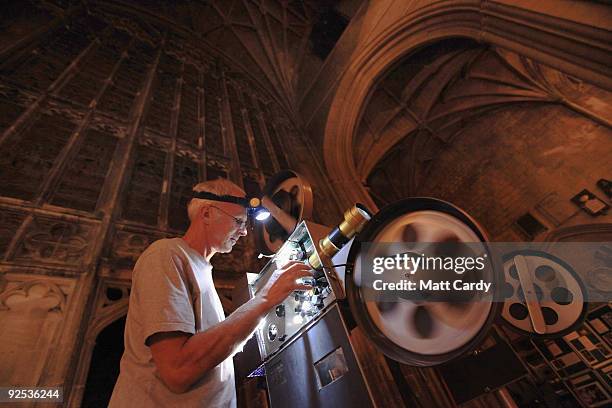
[{"x": 278, "y": 42}]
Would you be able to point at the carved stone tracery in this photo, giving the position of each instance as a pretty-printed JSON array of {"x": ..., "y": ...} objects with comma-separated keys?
[
  {"x": 33, "y": 297},
  {"x": 54, "y": 241},
  {"x": 129, "y": 243}
]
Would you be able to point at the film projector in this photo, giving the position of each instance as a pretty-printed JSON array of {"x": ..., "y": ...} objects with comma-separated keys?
[{"x": 303, "y": 346}]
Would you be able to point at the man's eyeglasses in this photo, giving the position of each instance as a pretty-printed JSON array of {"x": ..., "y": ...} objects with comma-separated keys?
[{"x": 240, "y": 223}]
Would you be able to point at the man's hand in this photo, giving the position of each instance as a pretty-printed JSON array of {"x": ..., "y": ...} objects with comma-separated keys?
[
  {"x": 182, "y": 359},
  {"x": 284, "y": 281}
]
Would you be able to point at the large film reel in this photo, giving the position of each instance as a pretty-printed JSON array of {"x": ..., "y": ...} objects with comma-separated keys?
[
  {"x": 414, "y": 332},
  {"x": 288, "y": 196},
  {"x": 545, "y": 297}
]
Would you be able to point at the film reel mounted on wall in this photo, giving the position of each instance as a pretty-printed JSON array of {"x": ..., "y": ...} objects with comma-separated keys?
[
  {"x": 544, "y": 296},
  {"x": 288, "y": 196},
  {"x": 414, "y": 332}
]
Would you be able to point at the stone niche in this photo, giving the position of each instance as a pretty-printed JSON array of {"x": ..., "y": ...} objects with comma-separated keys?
[{"x": 32, "y": 311}]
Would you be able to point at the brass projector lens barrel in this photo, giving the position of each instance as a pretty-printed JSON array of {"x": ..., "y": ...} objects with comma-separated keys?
[{"x": 354, "y": 220}]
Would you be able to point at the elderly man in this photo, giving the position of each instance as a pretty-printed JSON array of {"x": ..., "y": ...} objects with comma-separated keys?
[{"x": 178, "y": 343}]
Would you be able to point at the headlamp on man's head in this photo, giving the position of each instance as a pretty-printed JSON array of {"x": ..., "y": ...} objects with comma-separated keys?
[{"x": 252, "y": 205}]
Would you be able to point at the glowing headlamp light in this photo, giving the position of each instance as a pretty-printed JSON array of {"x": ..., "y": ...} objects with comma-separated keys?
[{"x": 257, "y": 210}]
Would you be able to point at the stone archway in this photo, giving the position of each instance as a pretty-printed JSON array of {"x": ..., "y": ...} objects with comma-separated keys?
[
  {"x": 104, "y": 367},
  {"x": 492, "y": 131},
  {"x": 109, "y": 313},
  {"x": 568, "y": 46}
]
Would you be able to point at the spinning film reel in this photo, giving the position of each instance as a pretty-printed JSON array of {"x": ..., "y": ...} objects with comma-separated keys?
[
  {"x": 288, "y": 197},
  {"x": 544, "y": 295},
  {"x": 421, "y": 333},
  {"x": 427, "y": 331}
]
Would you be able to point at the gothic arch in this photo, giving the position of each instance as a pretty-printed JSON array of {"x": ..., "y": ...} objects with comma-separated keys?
[
  {"x": 105, "y": 313},
  {"x": 569, "y": 46}
]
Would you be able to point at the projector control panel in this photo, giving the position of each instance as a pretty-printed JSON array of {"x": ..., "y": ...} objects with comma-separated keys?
[{"x": 286, "y": 320}]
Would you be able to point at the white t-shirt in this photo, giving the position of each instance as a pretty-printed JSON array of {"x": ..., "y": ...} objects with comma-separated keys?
[{"x": 172, "y": 290}]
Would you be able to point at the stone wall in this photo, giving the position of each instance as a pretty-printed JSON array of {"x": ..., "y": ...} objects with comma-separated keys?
[{"x": 108, "y": 117}]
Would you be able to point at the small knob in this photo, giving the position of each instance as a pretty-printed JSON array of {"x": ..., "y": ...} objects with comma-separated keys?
[{"x": 280, "y": 310}]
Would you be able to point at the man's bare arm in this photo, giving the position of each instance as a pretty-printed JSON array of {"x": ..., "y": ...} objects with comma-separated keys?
[{"x": 182, "y": 359}]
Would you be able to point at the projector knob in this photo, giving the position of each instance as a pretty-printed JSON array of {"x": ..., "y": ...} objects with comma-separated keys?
[{"x": 280, "y": 310}]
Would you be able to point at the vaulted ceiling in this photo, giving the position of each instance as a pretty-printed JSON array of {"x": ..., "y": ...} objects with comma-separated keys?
[
  {"x": 442, "y": 87},
  {"x": 269, "y": 39}
]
